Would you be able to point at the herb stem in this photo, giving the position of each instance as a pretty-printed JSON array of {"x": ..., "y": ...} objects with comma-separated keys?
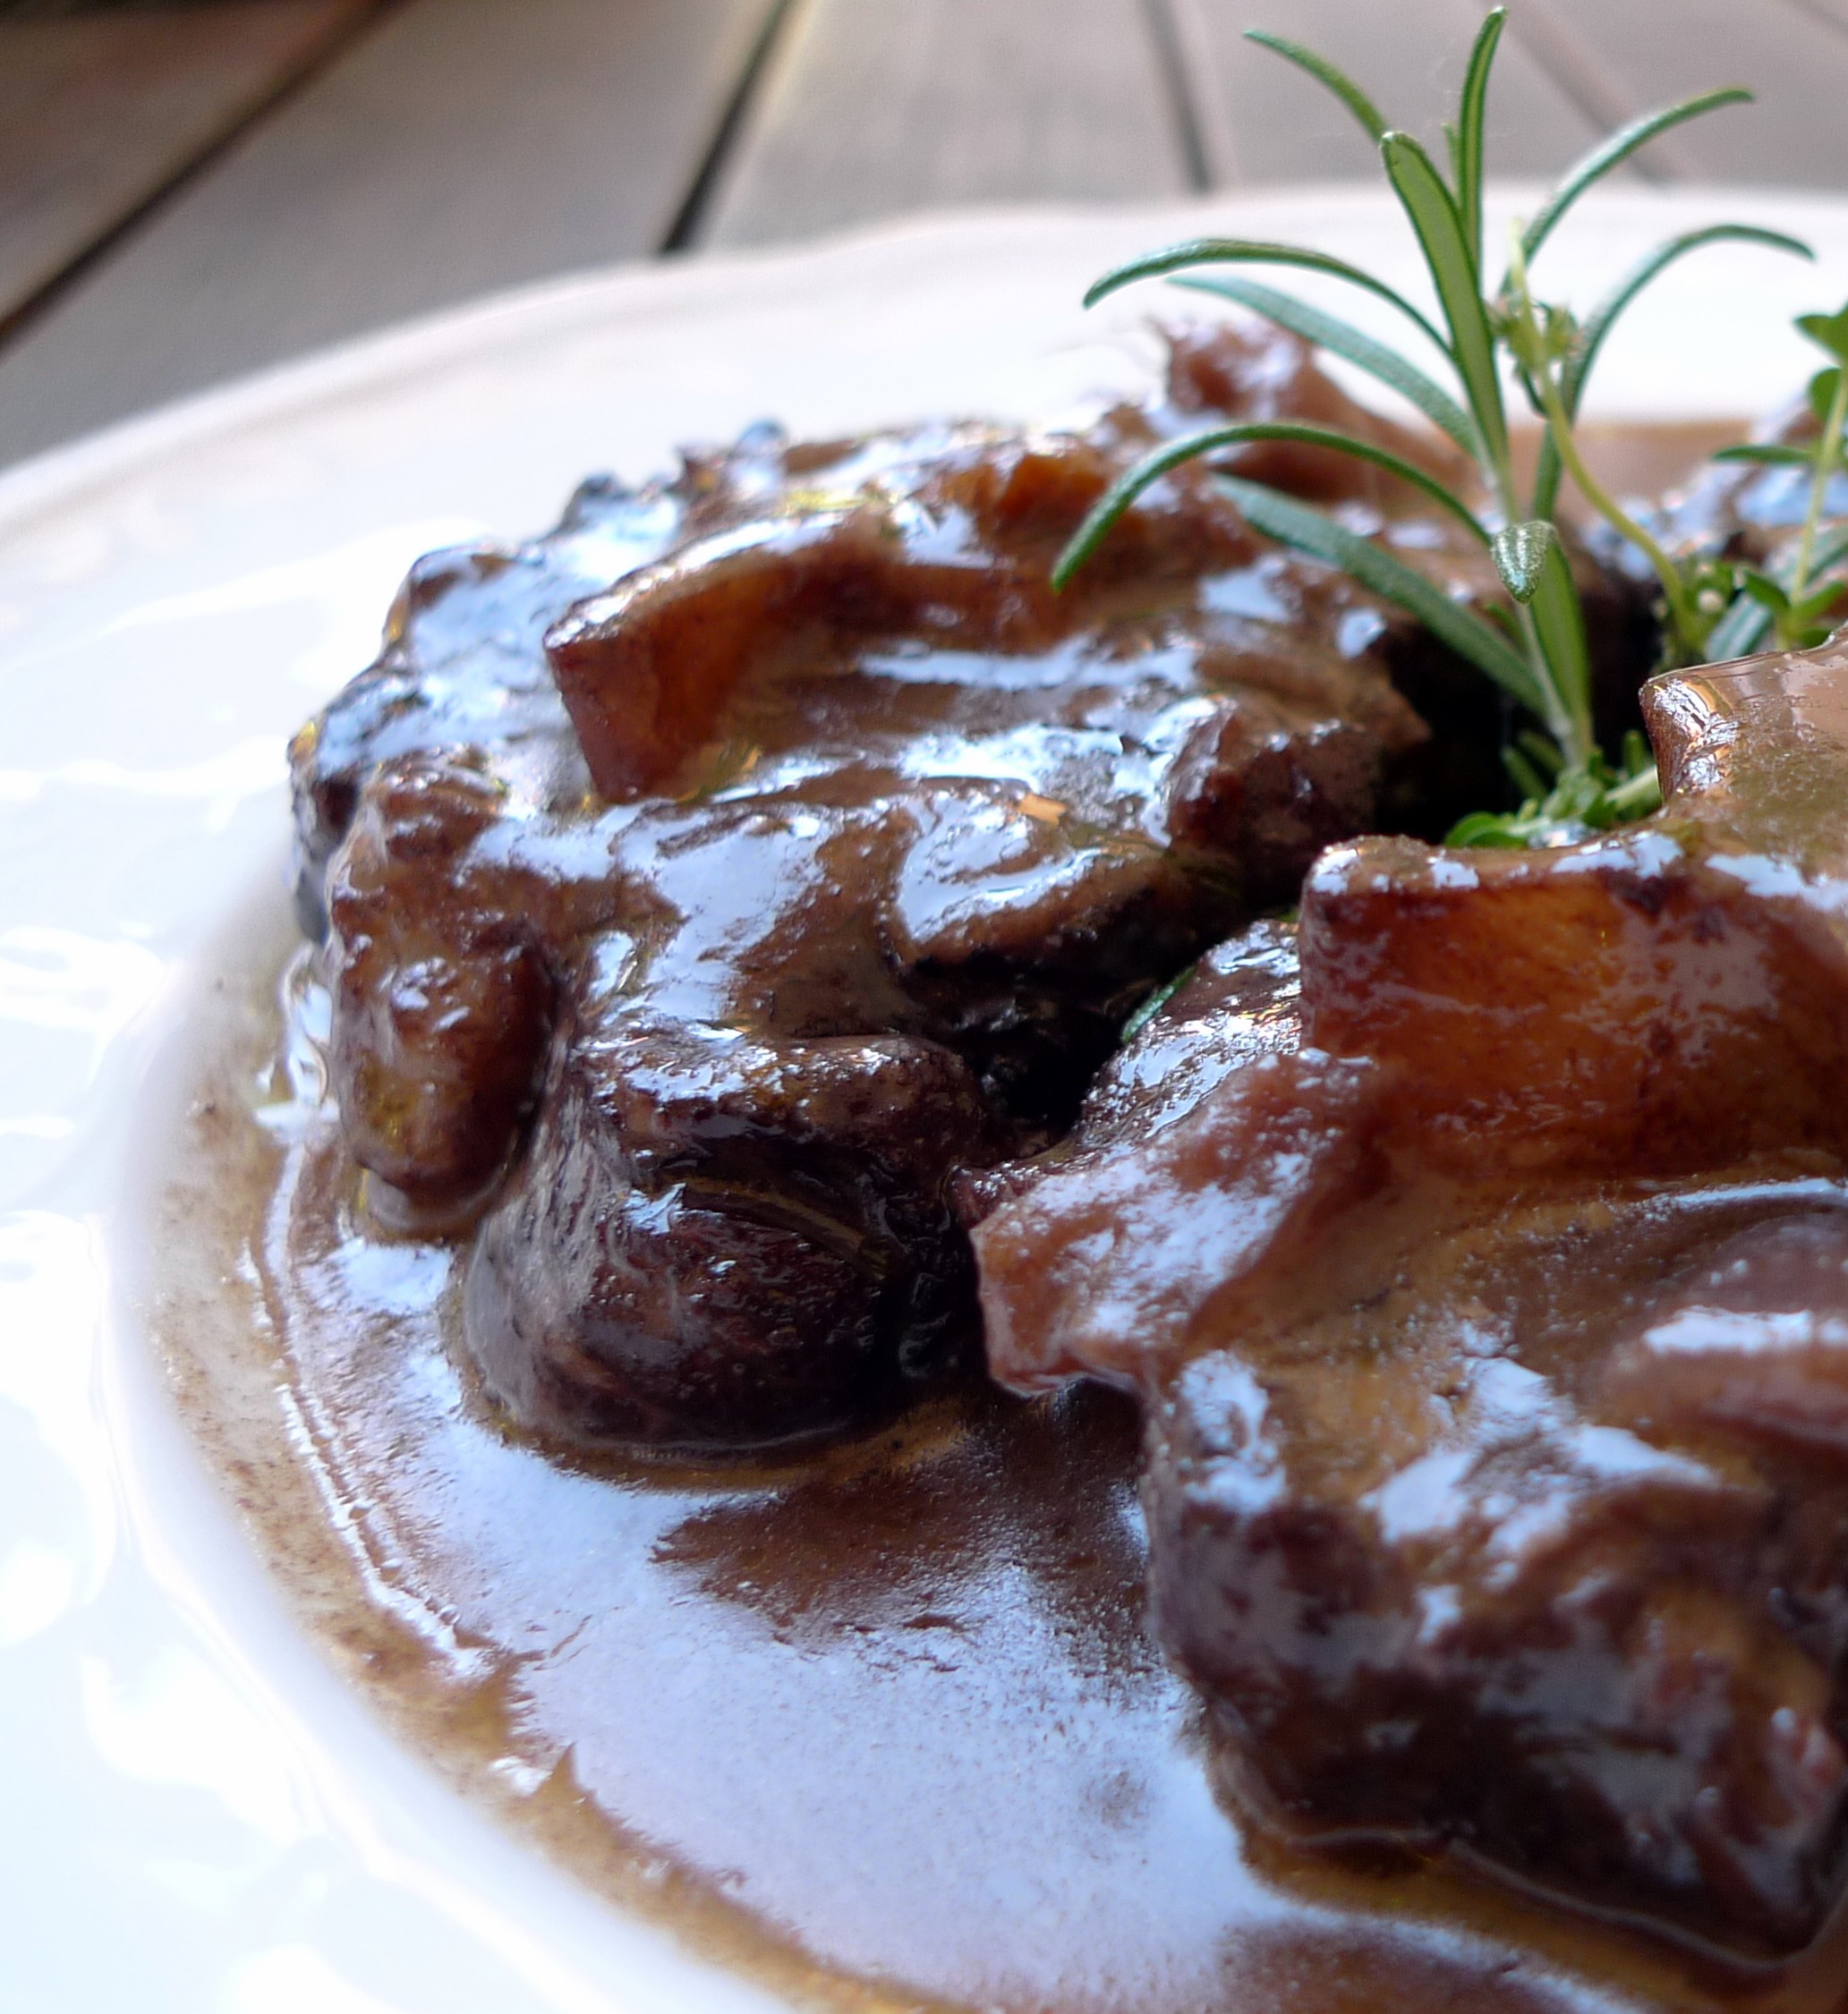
[
  {"x": 1572, "y": 735},
  {"x": 1638, "y": 796},
  {"x": 1533, "y": 353},
  {"x": 1681, "y": 612},
  {"x": 1828, "y": 459},
  {"x": 1506, "y": 501}
]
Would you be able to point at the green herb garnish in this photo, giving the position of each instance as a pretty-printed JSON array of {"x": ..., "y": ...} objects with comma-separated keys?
[
  {"x": 1153, "y": 1005},
  {"x": 1538, "y": 655},
  {"x": 1792, "y": 602}
]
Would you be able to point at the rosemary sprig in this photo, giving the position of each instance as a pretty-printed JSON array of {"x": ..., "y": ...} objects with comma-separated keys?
[{"x": 1541, "y": 660}]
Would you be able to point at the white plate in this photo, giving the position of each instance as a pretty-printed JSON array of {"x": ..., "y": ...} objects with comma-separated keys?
[{"x": 197, "y": 1817}]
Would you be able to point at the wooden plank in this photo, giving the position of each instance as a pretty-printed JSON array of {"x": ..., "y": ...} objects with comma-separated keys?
[
  {"x": 1794, "y": 57},
  {"x": 463, "y": 145},
  {"x": 1260, "y": 121},
  {"x": 874, "y": 106},
  {"x": 97, "y": 114}
]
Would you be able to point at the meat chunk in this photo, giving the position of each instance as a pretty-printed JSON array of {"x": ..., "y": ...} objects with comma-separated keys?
[
  {"x": 1625, "y": 1006},
  {"x": 1490, "y": 1325},
  {"x": 1445, "y": 1579},
  {"x": 716, "y": 1239},
  {"x": 761, "y": 1084},
  {"x": 1134, "y": 1244},
  {"x": 834, "y": 806},
  {"x": 953, "y": 554},
  {"x": 463, "y": 667},
  {"x": 1752, "y": 1348},
  {"x": 443, "y": 995}
]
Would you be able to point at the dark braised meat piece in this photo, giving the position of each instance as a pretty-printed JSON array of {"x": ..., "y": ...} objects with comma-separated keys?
[
  {"x": 1493, "y": 1326},
  {"x": 854, "y": 849},
  {"x": 773, "y": 1211},
  {"x": 443, "y": 994},
  {"x": 463, "y": 666}
]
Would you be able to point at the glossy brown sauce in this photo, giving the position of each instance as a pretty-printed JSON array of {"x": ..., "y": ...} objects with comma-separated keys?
[{"x": 880, "y": 1724}]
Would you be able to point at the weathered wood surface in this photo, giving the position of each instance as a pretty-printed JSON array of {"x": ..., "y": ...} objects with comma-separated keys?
[
  {"x": 1262, "y": 123},
  {"x": 870, "y": 108},
  {"x": 98, "y": 113},
  {"x": 460, "y": 145},
  {"x": 1793, "y": 52}
]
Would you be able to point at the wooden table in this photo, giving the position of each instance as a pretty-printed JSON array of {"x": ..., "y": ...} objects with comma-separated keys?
[{"x": 189, "y": 192}]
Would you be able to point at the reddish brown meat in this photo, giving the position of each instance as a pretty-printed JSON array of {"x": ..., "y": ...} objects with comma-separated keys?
[{"x": 1493, "y": 1329}]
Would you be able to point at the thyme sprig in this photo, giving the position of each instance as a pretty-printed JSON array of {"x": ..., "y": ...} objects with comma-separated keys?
[
  {"x": 1538, "y": 655},
  {"x": 1791, "y": 601}
]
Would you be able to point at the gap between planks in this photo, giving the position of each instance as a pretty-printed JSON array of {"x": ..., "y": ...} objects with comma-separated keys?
[{"x": 103, "y": 116}]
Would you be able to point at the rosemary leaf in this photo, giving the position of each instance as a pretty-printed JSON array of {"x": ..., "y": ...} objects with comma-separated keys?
[
  {"x": 1433, "y": 212},
  {"x": 1738, "y": 632},
  {"x": 1560, "y": 621},
  {"x": 1128, "y": 486},
  {"x": 1767, "y": 593},
  {"x": 1485, "y": 828},
  {"x": 1600, "y": 322},
  {"x": 1828, "y": 332},
  {"x": 1519, "y": 552},
  {"x": 1310, "y": 531},
  {"x": 1618, "y": 148},
  {"x": 1528, "y": 779},
  {"x": 1472, "y": 110},
  {"x": 1324, "y": 72},
  {"x": 1254, "y": 252},
  {"x": 1532, "y": 562},
  {"x": 1343, "y": 339},
  {"x": 1153, "y": 1005},
  {"x": 1777, "y": 454},
  {"x": 1819, "y": 601}
]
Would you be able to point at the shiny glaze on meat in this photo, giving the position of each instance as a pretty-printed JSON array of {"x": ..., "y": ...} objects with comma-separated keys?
[
  {"x": 875, "y": 842},
  {"x": 1495, "y": 1327}
]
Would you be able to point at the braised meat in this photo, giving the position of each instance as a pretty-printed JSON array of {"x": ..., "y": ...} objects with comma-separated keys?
[
  {"x": 463, "y": 667},
  {"x": 731, "y": 904},
  {"x": 711, "y": 884},
  {"x": 1490, "y": 1302}
]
